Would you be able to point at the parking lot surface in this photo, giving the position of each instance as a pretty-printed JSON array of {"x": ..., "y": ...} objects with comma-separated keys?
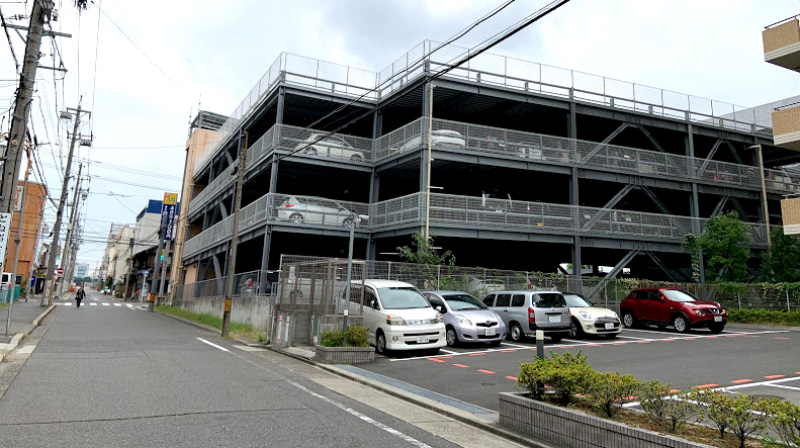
[{"x": 764, "y": 363}]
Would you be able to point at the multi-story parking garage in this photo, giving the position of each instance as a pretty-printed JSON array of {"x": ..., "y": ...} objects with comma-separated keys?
[{"x": 531, "y": 166}]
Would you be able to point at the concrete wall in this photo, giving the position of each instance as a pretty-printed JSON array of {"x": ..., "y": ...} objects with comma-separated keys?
[{"x": 252, "y": 310}]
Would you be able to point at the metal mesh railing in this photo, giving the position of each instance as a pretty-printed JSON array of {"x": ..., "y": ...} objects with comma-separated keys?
[
  {"x": 246, "y": 283},
  {"x": 452, "y": 210},
  {"x": 490, "y": 69},
  {"x": 335, "y": 147}
]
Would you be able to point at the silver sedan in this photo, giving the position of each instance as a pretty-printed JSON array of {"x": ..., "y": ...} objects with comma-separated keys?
[{"x": 467, "y": 319}]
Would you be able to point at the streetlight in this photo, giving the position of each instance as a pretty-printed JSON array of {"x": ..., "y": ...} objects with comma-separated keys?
[
  {"x": 763, "y": 191},
  {"x": 354, "y": 219}
]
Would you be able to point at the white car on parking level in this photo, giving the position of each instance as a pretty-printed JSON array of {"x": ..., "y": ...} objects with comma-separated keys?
[
  {"x": 589, "y": 319},
  {"x": 331, "y": 146},
  {"x": 442, "y": 138},
  {"x": 310, "y": 210}
]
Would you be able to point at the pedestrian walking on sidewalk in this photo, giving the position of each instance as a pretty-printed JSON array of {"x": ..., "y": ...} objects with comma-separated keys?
[{"x": 80, "y": 295}]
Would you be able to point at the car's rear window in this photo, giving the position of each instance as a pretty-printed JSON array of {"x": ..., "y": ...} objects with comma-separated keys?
[{"x": 550, "y": 300}]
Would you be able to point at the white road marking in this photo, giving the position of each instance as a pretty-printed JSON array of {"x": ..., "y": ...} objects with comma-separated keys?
[
  {"x": 447, "y": 351},
  {"x": 92, "y": 304},
  {"x": 130, "y": 306},
  {"x": 363, "y": 417},
  {"x": 781, "y": 386},
  {"x": 611, "y": 342},
  {"x": 213, "y": 345},
  {"x": 761, "y": 383},
  {"x": 631, "y": 337},
  {"x": 578, "y": 342},
  {"x": 117, "y": 304},
  {"x": 515, "y": 345},
  {"x": 68, "y": 304},
  {"x": 247, "y": 348},
  {"x": 104, "y": 304}
]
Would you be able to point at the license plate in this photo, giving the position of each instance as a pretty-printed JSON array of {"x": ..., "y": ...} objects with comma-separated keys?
[
  {"x": 422, "y": 340},
  {"x": 609, "y": 326},
  {"x": 717, "y": 318},
  {"x": 554, "y": 319},
  {"x": 490, "y": 332}
]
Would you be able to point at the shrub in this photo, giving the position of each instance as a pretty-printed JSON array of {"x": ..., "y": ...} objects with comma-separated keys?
[
  {"x": 716, "y": 406},
  {"x": 356, "y": 337},
  {"x": 744, "y": 421},
  {"x": 607, "y": 392},
  {"x": 668, "y": 412},
  {"x": 761, "y": 316},
  {"x": 784, "y": 418},
  {"x": 532, "y": 375}
]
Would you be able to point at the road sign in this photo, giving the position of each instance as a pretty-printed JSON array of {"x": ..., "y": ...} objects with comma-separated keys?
[
  {"x": 145, "y": 272},
  {"x": 60, "y": 271}
]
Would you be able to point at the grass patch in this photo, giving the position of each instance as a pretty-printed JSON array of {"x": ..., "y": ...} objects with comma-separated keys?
[
  {"x": 3, "y": 305},
  {"x": 760, "y": 316},
  {"x": 242, "y": 330}
]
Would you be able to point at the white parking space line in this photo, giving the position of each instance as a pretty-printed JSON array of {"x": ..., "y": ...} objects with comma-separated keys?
[
  {"x": 515, "y": 345},
  {"x": 105, "y": 304},
  {"x": 577, "y": 342},
  {"x": 213, "y": 345},
  {"x": 92, "y": 304},
  {"x": 447, "y": 351},
  {"x": 761, "y": 383},
  {"x": 631, "y": 337},
  {"x": 781, "y": 386}
]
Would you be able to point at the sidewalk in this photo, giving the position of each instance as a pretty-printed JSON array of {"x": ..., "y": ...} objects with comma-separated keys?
[{"x": 22, "y": 317}]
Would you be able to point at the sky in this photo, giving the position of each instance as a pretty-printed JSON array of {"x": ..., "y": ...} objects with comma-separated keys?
[{"x": 144, "y": 68}]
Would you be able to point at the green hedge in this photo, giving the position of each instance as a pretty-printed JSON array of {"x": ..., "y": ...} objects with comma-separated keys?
[
  {"x": 356, "y": 337},
  {"x": 761, "y": 316}
]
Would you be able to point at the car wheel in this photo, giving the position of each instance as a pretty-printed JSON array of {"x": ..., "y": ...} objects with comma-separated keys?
[
  {"x": 515, "y": 332},
  {"x": 451, "y": 336},
  {"x": 681, "y": 324},
  {"x": 575, "y": 330},
  {"x": 380, "y": 343},
  {"x": 612, "y": 335},
  {"x": 716, "y": 329},
  {"x": 556, "y": 338},
  {"x": 628, "y": 320},
  {"x": 296, "y": 218},
  {"x": 311, "y": 151},
  {"x": 356, "y": 158}
]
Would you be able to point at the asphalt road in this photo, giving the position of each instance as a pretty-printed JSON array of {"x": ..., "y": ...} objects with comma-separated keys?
[
  {"x": 752, "y": 362},
  {"x": 112, "y": 375}
]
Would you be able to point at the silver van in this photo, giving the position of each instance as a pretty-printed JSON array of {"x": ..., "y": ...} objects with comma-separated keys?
[{"x": 524, "y": 312}]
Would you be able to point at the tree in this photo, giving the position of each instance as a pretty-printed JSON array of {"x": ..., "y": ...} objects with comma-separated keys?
[
  {"x": 422, "y": 252},
  {"x": 780, "y": 263},
  {"x": 724, "y": 244}
]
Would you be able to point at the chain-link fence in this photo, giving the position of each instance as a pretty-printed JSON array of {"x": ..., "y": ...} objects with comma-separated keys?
[{"x": 247, "y": 283}]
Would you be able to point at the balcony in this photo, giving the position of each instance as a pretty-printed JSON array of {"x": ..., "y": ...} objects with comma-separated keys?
[
  {"x": 786, "y": 128},
  {"x": 321, "y": 214},
  {"x": 782, "y": 43}
]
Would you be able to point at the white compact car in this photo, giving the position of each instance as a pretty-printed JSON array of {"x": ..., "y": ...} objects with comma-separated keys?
[
  {"x": 330, "y": 146},
  {"x": 588, "y": 319},
  {"x": 312, "y": 210},
  {"x": 441, "y": 138},
  {"x": 398, "y": 316}
]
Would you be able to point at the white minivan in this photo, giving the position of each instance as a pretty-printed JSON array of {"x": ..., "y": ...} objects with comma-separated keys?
[{"x": 398, "y": 316}]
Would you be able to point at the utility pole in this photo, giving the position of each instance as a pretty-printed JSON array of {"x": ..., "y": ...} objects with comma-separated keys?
[
  {"x": 51, "y": 268},
  {"x": 231, "y": 266},
  {"x": 151, "y": 296},
  {"x": 65, "y": 258},
  {"x": 19, "y": 121},
  {"x": 35, "y": 259},
  {"x": 17, "y": 240}
]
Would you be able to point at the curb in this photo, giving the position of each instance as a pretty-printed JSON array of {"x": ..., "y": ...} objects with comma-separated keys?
[
  {"x": 448, "y": 411},
  {"x": 14, "y": 342},
  {"x": 766, "y": 327},
  {"x": 44, "y": 314}
]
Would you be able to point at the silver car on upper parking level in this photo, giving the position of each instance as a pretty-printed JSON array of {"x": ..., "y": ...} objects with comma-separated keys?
[
  {"x": 331, "y": 146},
  {"x": 312, "y": 210},
  {"x": 466, "y": 318}
]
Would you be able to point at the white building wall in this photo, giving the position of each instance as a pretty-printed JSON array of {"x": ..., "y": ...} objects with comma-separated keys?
[{"x": 146, "y": 232}]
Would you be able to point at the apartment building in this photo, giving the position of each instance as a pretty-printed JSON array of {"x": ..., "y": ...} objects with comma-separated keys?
[
  {"x": 31, "y": 235},
  {"x": 509, "y": 163}
]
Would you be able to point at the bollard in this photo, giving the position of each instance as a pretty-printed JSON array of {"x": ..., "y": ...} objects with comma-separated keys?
[{"x": 540, "y": 344}]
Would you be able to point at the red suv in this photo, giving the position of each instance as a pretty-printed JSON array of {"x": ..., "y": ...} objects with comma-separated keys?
[{"x": 671, "y": 306}]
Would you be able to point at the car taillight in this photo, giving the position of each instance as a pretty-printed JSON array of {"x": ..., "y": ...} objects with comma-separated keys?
[{"x": 531, "y": 315}]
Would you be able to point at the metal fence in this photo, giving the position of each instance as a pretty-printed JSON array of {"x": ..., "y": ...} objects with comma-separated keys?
[
  {"x": 451, "y": 210},
  {"x": 519, "y": 145},
  {"x": 487, "y": 68},
  {"x": 246, "y": 283}
]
